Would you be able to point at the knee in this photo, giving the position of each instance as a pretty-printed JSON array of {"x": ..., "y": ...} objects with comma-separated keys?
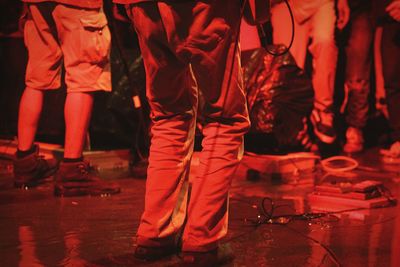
[
  {"x": 359, "y": 85},
  {"x": 324, "y": 40}
]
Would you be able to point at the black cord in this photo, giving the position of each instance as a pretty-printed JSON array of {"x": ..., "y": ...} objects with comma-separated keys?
[
  {"x": 267, "y": 216},
  {"x": 141, "y": 129},
  {"x": 277, "y": 54},
  {"x": 331, "y": 254}
]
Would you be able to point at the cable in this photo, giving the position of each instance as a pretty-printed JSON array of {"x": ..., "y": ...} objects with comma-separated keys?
[
  {"x": 331, "y": 254},
  {"x": 291, "y": 38},
  {"x": 325, "y": 163},
  {"x": 138, "y": 107}
]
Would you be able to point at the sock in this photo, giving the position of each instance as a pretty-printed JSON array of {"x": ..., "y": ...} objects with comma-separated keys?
[
  {"x": 72, "y": 160},
  {"x": 24, "y": 153}
]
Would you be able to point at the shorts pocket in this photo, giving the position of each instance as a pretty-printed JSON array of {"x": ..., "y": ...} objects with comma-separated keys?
[{"x": 95, "y": 38}]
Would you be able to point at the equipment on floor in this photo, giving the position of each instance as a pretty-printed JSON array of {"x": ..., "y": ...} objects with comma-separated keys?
[{"x": 332, "y": 196}]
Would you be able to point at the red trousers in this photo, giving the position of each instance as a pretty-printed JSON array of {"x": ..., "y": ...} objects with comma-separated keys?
[{"x": 190, "y": 50}]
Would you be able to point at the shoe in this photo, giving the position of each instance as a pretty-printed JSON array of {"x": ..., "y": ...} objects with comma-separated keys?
[
  {"x": 79, "y": 179},
  {"x": 33, "y": 169},
  {"x": 153, "y": 253},
  {"x": 216, "y": 257},
  {"x": 391, "y": 155},
  {"x": 323, "y": 125},
  {"x": 354, "y": 140}
]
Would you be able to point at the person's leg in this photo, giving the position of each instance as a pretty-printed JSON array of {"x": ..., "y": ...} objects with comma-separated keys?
[
  {"x": 77, "y": 112},
  {"x": 216, "y": 65},
  {"x": 357, "y": 83},
  {"x": 85, "y": 42},
  {"x": 172, "y": 95},
  {"x": 324, "y": 53},
  {"x": 391, "y": 65},
  {"x": 42, "y": 73},
  {"x": 282, "y": 33},
  {"x": 30, "y": 108}
]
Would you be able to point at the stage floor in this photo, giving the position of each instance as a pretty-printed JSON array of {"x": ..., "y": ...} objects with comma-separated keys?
[{"x": 38, "y": 229}]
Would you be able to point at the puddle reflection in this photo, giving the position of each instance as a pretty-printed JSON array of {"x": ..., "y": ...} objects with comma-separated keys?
[
  {"x": 72, "y": 247},
  {"x": 27, "y": 248}
]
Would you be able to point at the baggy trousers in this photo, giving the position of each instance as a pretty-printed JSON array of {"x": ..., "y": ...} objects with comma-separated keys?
[{"x": 190, "y": 48}]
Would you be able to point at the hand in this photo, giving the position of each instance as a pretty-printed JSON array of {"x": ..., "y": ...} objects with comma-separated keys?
[
  {"x": 393, "y": 9},
  {"x": 343, "y": 14}
]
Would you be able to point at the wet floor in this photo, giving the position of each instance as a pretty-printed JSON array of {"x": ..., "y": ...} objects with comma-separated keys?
[{"x": 37, "y": 229}]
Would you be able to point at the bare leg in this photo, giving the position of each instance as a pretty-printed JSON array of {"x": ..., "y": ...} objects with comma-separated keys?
[
  {"x": 77, "y": 112},
  {"x": 30, "y": 108}
]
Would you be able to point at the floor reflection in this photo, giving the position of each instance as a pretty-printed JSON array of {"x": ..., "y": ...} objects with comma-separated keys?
[
  {"x": 38, "y": 229},
  {"x": 27, "y": 247}
]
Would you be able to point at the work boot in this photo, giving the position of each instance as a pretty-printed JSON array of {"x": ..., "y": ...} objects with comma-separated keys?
[
  {"x": 324, "y": 125},
  {"x": 33, "y": 169},
  {"x": 78, "y": 179},
  {"x": 354, "y": 140}
]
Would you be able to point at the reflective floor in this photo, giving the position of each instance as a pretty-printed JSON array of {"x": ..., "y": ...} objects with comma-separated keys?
[{"x": 37, "y": 229}]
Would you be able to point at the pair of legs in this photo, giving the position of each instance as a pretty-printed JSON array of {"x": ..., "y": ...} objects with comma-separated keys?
[
  {"x": 78, "y": 109},
  {"x": 58, "y": 35},
  {"x": 189, "y": 48}
]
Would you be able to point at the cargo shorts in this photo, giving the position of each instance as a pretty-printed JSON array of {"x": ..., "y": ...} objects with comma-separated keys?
[{"x": 79, "y": 39}]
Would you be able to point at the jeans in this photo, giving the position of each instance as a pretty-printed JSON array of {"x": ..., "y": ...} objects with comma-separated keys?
[
  {"x": 391, "y": 65},
  {"x": 358, "y": 68}
]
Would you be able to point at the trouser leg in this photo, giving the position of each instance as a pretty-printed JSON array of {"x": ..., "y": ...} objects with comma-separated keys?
[
  {"x": 173, "y": 101},
  {"x": 324, "y": 53},
  {"x": 226, "y": 121},
  {"x": 391, "y": 65},
  {"x": 358, "y": 69},
  {"x": 282, "y": 33}
]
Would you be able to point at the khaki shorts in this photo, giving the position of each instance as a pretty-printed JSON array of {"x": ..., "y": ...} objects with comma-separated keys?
[{"x": 77, "y": 38}]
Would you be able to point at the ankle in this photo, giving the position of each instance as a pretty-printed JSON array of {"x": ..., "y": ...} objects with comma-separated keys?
[
  {"x": 23, "y": 153},
  {"x": 72, "y": 160}
]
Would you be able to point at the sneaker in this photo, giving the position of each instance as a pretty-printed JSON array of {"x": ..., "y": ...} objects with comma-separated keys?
[
  {"x": 79, "y": 179},
  {"x": 354, "y": 140},
  {"x": 391, "y": 155},
  {"x": 153, "y": 253},
  {"x": 33, "y": 169},
  {"x": 323, "y": 125}
]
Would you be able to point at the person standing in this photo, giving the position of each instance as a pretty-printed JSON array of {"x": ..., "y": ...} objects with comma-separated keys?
[
  {"x": 73, "y": 34},
  {"x": 188, "y": 48}
]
